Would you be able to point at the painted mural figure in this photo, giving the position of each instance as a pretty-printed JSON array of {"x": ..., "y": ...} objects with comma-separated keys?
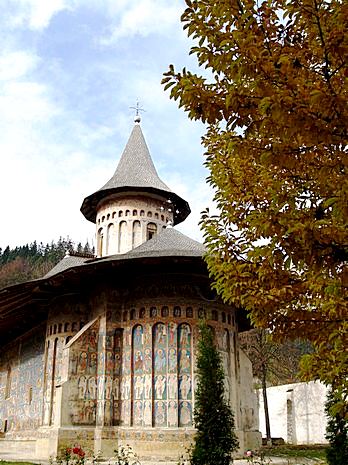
[
  {"x": 172, "y": 360},
  {"x": 184, "y": 335},
  {"x": 138, "y": 385},
  {"x": 92, "y": 387},
  {"x": 108, "y": 387},
  {"x": 82, "y": 386},
  {"x": 185, "y": 414},
  {"x": 147, "y": 413},
  {"x": 185, "y": 362},
  {"x": 172, "y": 329},
  {"x": 147, "y": 386},
  {"x": 172, "y": 413},
  {"x": 160, "y": 335},
  {"x": 185, "y": 387},
  {"x": 138, "y": 362},
  {"x": 160, "y": 413},
  {"x": 147, "y": 360},
  {"x": 116, "y": 389},
  {"x": 160, "y": 386},
  {"x": 160, "y": 360},
  {"x": 138, "y": 336},
  {"x": 83, "y": 362},
  {"x": 92, "y": 362},
  {"x": 172, "y": 386}
]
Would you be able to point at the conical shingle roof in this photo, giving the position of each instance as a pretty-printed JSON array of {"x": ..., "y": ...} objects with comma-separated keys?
[{"x": 136, "y": 172}]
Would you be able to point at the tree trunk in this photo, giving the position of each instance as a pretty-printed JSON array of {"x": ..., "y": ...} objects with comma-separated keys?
[{"x": 265, "y": 405}]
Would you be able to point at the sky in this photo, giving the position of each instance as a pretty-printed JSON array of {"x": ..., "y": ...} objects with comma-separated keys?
[{"x": 69, "y": 72}]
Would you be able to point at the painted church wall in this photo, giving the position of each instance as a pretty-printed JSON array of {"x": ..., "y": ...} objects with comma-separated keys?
[
  {"x": 81, "y": 382},
  {"x": 21, "y": 383}
]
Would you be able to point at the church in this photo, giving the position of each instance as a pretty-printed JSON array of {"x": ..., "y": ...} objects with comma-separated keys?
[{"x": 100, "y": 352}]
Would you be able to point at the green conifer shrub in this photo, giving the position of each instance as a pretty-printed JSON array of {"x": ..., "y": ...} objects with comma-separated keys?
[
  {"x": 215, "y": 439},
  {"x": 336, "y": 430}
]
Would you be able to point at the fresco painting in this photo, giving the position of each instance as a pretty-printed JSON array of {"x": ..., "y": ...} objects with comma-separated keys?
[
  {"x": 185, "y": 375},
  {"x": 160, "y": 341}
]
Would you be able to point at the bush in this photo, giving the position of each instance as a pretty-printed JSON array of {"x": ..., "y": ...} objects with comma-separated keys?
[{"x": 337, "y": 430}]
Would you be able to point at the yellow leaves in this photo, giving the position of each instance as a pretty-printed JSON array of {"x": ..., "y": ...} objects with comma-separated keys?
[{"x": 279, "y": 244}]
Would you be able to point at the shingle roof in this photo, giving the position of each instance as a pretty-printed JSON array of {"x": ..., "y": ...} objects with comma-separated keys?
[
  {"x": 136, "y": 168},
  {"x": 136, "y": 172},
  {"x": 168, "y": 243},
  {"x": 69, "y": 261}
]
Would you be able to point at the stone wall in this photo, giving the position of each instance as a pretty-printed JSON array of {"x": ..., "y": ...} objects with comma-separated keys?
[{"x": 296, "y": 412}]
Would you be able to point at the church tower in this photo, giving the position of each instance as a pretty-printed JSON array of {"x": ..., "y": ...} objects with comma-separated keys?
[{"x": 135, "y": 204}]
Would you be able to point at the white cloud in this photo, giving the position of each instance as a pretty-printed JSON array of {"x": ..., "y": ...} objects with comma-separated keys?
[
  {"x": 16, "y": 64},
  {"x": 36, "y": 14},
  {"x": 143, "y": 17}
]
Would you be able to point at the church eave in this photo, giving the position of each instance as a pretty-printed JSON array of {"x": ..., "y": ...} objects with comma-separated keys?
[{"x": 181, "y": 208}]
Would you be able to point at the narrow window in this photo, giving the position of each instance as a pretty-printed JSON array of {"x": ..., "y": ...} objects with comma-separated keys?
[
  {"x": 156, "y": 216},
  {"x": 127, "y": 212},
  {"x": 136, "y": 234},
  {"x": 132, "y": 314},
  {"x": 100, "y": 242},
  {"x": 142, "y": 213},
  {"x": 149, "y": 214},
  {"x": 60, "y": 328},
  {"x": 142, "y": 313},
  {"x": 151, "y": 230},
  {"x": 177, "y": 311},
  {"x": 165, "y": 311},
  {"x": 135, "y": 212},
  {"x": 189, "y": 312},
  {"x": 162, "y": 217},
  {"x": 66, "y": 327},
  {"x": 120, "y": 213},
  {"x": 30, "y": 395}
]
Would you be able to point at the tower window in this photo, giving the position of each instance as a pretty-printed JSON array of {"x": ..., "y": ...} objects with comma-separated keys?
[
  {"x": 127, "y": 212},
  {"x": 151, "y": 230},
  {"x": 135, "y": 212},
  {"x": 142, "y": 213},
  {"x": 149, "y": 214}
]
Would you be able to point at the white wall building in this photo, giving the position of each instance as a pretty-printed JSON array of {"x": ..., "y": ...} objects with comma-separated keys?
[{"x": 297, "y": 412}]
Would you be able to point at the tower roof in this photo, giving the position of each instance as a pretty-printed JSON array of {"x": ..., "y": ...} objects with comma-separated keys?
[{"x": 136, "y": 173}]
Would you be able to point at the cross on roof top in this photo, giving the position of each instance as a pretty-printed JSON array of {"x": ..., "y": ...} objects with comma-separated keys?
[{"x": 137, "y": 109}]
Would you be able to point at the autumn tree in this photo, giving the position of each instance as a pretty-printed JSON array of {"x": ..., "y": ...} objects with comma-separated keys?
[
  {"x": 273, "y": 363},
  {"x": 215, "y": 439},
  {"x": 274, "y": 98}
]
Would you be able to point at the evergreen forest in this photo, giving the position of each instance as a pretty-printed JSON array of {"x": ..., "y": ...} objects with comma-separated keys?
[{"x": 33, "y": 261}]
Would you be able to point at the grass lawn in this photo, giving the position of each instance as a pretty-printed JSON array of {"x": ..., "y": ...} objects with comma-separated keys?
[{"x": 309, "y": 452}]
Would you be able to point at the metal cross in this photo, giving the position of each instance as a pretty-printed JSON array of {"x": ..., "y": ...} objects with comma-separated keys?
[{"x": 137, "y": 108}]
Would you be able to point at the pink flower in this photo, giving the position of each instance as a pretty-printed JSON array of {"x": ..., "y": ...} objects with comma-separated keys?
[{"x": 249, "y": 453}]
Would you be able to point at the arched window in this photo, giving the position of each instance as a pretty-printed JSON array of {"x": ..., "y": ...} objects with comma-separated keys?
[
  {"x": 55, "y": 329},
  {"x": 125, "y": 315},
  {"x": 162, "y": 217},
  {"x": 113, "y": 214},
  {"x": 156, "y": 216},
  {"x": 66, "y": 327},
  {"x": 122, "y": 237},
  {"x": 110, "y": 239},
  {"x": 100, "y": 239},
  {"x": 177, "y": 311},
  {"x": 142, "y": 313},
  {"x": 108, "y": 216},
  {"x": 165, "y": 311},
  {"x": 74, "y": 327},
  {"x": 120, "y": 213},
  {"x": 151, "y": 230},
  {"x": 60, "y": 328},
  {"x": 149, "y": 214},
  {"x": 103, "y": 219},
  {"x": 135, "y": 212},
  {"x": 153, "y": 312},
  {"x": 132, "y": 314},
  {"x": 136, "y": 234},
  {"x": 201, "y": 313},
  {"x": 142, "y": 213},
  {"x": 189, "y": 312},
  {"x": 127, "y": 212}
]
